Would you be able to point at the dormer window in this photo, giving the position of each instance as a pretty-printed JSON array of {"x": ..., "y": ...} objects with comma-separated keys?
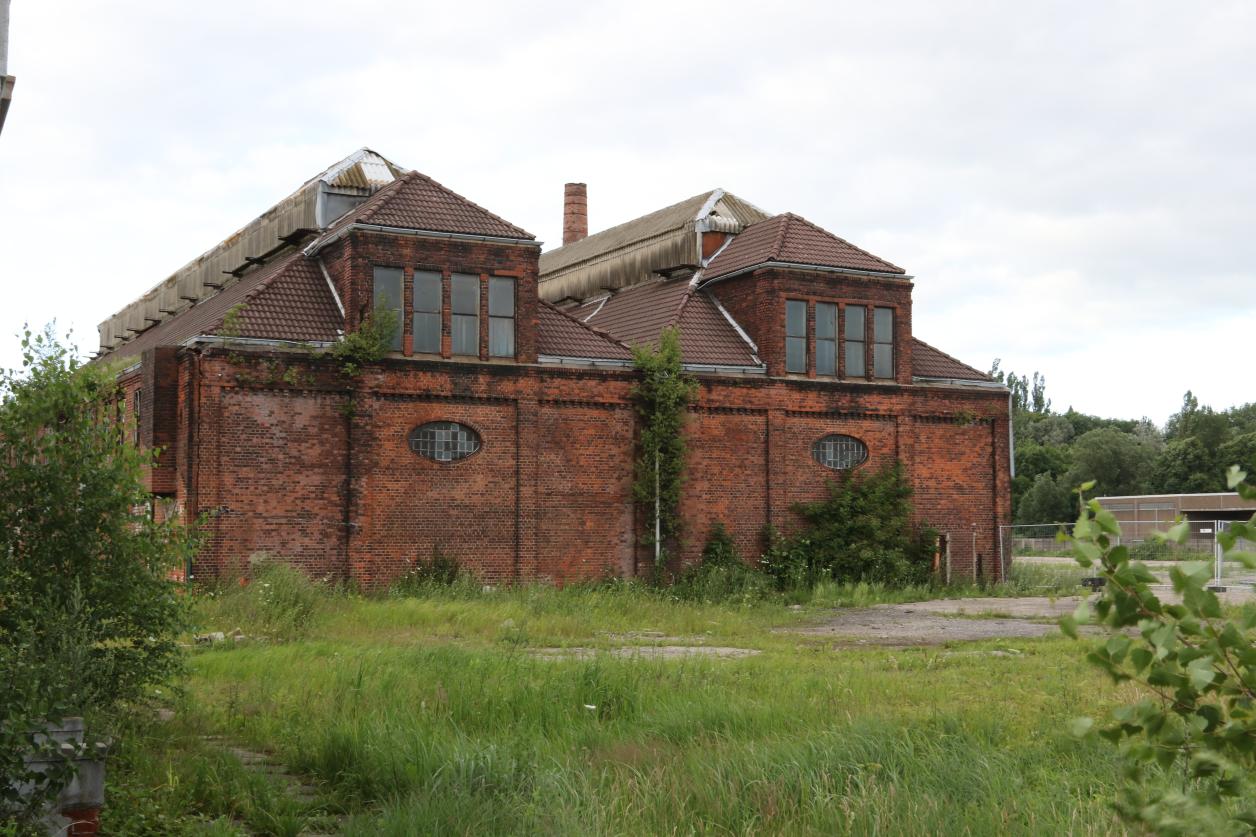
[
  {"x": 840, "y": 343},
  {"x": 855, "y": 346},
  {"x": 501, "y": 316}
]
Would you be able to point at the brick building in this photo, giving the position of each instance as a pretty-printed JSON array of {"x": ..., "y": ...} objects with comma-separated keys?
[{"x": 500, "y": 430}]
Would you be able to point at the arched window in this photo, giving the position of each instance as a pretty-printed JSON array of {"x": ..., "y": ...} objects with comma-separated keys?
[
  {"x": 839, "y": 452},
  {"x": 444, "y": 441}
]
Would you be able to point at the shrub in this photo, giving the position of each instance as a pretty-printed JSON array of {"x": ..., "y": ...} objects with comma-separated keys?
[
  {"x": 439, "y": 571},
  {"x": 1189, "y": 742},
  {"x": 88, "y": 614},
  {"x": 860, "y": 532},
  {"x": 278, "y": 602},
  {"x": 721, "y": 575}
]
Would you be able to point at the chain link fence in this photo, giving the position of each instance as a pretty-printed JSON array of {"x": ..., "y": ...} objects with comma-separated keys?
[{"x": 1042, "y": 548}]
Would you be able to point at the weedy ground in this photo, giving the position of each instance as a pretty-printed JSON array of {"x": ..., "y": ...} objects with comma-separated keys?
[{"x": 434, "y": 713}]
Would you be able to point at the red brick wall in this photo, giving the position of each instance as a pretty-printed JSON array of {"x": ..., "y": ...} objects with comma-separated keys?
[{"x": 548, "y": 497}]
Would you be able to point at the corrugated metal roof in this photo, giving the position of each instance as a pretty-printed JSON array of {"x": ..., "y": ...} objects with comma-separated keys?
[
  {"x": 629, "y": 253},
  {"x": 360, "y": 173}
]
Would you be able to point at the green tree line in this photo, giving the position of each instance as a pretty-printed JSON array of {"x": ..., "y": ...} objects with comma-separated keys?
[{"x": 1057, "y": 451}]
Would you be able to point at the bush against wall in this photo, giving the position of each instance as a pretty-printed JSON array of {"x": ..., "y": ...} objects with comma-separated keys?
[
  {"x": 661, "y": 398},
  {"x": 861, "y": 531}
]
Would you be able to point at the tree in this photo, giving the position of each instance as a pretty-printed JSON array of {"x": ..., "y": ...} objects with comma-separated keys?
[
  {"x": 1240, "y": 450},
  {"x": 1185, "y": 466},
  {"x": 88, "y": 616},
  {"x": 1048, "y": 500},
  {"x": 1027, "y": 396},
  {"x": 661, "y": 398},
  {"x": 1119, "y": 463}
]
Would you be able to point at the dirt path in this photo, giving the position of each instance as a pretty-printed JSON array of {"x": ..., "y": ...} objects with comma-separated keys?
[{"x": 944, "y": 620}]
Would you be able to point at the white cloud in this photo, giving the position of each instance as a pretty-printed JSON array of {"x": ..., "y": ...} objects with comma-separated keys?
[{"x": 1072, "y": 183}]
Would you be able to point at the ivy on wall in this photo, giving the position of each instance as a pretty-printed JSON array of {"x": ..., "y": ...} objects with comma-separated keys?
[{"x": 661, "y": 398}]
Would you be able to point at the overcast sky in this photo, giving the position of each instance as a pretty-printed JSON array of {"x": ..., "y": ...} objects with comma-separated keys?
[{"x": 1073, "y": 185}]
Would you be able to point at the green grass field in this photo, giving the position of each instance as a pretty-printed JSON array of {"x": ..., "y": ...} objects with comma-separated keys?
[{"x": 435, "y": 714}]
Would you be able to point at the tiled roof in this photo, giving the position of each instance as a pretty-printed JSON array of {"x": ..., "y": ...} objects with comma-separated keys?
[
  {"x": 286, "y": 300},
  {"x": 561, "y": 335},
  {"x": 795, "y": 240},
  {"x": 928, "y": 362},
  {"x": 416, "y": 201},
  {"x": 638, "y": 314}
]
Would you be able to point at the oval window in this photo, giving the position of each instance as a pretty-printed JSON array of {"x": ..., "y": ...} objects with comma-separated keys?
[
  {"x": 444, "y": 441},
  {"x": 839, "y": 452}
]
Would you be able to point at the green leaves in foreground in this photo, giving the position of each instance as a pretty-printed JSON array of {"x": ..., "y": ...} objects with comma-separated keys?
[{"x": 1189, "y": 743}]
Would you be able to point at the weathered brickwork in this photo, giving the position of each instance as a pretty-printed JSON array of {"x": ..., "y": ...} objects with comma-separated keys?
[
  {"x": 284, "y": 469},
  {"x": 282, "y": 453}
]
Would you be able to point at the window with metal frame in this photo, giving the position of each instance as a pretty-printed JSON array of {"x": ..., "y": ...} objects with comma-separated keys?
[
  {"x": 428, "y": 287},
  {"x": 856, "y": 357},
  {"x": 465, "y": 305},
  {"x": 839, "y": 451},
  {"x": 795, "y": 335},
  {"x": 883, "y": 342},
  {"x": 387, "y": 297},
  {"x": 826, "y": 339},
  {"x": 501, "y": 316},
  {"x": 444, "y": 441}
]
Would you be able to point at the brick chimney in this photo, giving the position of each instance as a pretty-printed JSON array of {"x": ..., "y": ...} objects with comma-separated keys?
[{"x": 575, "y": 213}]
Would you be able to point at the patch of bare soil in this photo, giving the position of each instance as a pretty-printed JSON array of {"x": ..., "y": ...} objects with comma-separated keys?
[
  {"x": 944, "y": 620},
  {"x": 646, "y": 652}
]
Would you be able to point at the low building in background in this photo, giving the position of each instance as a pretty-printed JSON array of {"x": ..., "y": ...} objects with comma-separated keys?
[
  {"x": 499, "y": 430},
  {"x": 1144, "y": 514}
]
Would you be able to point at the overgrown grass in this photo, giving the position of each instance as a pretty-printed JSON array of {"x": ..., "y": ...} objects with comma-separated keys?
[{"x": 434, "y": 714}]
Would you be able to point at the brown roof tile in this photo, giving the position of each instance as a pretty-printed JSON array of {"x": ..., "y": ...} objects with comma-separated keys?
[
  {"x": 928, "y": 362},
  {"x": 561, "y": 335},
  {"x": 285, "y": 300},
  {"x": 416, "y": 201},
  {"x": 638, "y": 314},
  {"x": 795, "y": 240}
]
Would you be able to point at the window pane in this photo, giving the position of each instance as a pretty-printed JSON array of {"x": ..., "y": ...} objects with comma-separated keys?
[
  {"x": 387, "y": 297},
  {"x": 826, "y": 321},
  {"x": 854, "y": 322},
  {"x": 855, "y": 358},
  {"x": 427, "y": 291},
  {"x": 883, "y": 324},
  {"x": 826, "y": 357},
  {"x": 466, "y": 333},
  {"x": 795, "y": 318},
  {"x": 427, "y": 332},
  {"x": 501, "y": 296},
  {"x": 883, "y": 360},
  {"x": 501, "y": 336},
  {"x": 795, "y": 354},
  {"x": 466, "y": 293}
]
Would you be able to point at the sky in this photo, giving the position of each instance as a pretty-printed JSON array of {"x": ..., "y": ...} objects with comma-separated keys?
[{"x": 1072, "y": 185}]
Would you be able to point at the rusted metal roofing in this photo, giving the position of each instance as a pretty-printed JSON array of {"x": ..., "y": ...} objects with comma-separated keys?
[
  {"x": 792, "y": 239},
  {"x": 638, "y": 314},
  {"x": 561, "y": 335},
  {"x": 316, "y": 204},
  {"x": 630, "y": 253},
  {"x": 286, "y": 300},
  {"x": 928, "y": 362}
]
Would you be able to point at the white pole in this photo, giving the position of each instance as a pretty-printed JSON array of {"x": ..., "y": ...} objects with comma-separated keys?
[{"x": 658, "y": 547}]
